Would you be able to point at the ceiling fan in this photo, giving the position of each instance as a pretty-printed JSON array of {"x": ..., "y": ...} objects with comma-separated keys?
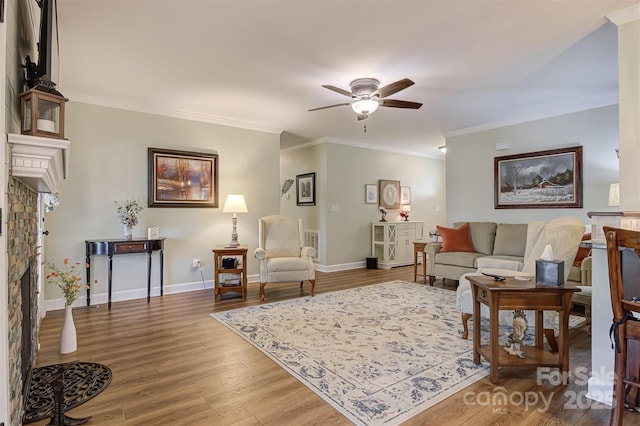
[{"x": 367, "y": 97}]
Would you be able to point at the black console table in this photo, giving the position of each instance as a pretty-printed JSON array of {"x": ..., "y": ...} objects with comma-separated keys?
[{"x": 122, "y": 246}]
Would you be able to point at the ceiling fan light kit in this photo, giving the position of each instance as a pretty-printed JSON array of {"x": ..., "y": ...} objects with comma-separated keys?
[
  {"x": 364, "y": 106},
  {"x": 367, "y": 96}
]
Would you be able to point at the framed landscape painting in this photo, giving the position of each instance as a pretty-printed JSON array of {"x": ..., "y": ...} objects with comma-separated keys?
[
  {"x": 182, "y": 178},
  {"x": 542, "y": 179}
]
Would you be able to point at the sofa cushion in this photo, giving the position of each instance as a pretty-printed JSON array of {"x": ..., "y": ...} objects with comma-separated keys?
[
  {"x": 457, "y": 258},
  {"x": 511, "y": 239},
  {"x": 582, "y": 251},
  {"x": 512, "y": 263},
  {"x": 482, "y": 235},
  {"x": 456, "y": 239}
]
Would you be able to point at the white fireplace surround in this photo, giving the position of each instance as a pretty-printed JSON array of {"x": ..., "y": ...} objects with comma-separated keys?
[{"x": 41, "y": 163}]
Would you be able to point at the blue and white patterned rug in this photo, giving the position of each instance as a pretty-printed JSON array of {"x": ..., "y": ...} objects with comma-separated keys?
[{"x": 378, "y": 354}]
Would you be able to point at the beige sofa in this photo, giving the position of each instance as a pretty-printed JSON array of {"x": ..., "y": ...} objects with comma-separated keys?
[{"x": 502, "y": 245}]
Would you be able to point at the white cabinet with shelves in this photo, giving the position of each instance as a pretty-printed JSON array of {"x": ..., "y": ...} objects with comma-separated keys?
[{"x": 391, "y": 242}]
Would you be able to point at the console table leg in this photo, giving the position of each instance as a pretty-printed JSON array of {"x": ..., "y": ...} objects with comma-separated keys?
[
  {"x": 161, "y": 272},
  {"x": 149, "y": 277},
  {"x": 88, "y": 261},
  {"x": 110, "y": 274}
]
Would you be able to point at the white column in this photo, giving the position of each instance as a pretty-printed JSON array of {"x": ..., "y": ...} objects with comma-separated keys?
[
  {"x": 628, "y": 22},
  {"x": 600, "y": 385}
]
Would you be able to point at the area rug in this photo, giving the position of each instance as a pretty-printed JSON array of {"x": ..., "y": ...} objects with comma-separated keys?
[
  {"x": 378, "y": 354},
  {"x": 82, "y": 381}
]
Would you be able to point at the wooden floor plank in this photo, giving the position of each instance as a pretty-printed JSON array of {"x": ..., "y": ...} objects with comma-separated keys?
[{"x": 174, "y": 365}]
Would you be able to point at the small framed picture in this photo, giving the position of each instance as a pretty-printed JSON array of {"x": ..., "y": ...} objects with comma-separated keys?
[
  {"x": 389, "y": 194},
  {"x": 405, "y": 195},
  {"x": 306, "y": 189},
  {"x": 371, "y": 193},
  {"x": 153, "y": 233}
]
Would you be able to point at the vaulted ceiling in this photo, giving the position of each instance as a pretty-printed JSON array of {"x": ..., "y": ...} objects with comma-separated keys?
[{"x": 261, "y": 64}]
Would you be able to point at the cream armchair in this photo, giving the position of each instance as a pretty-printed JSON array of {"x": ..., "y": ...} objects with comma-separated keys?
[
  {"x": 281, "y": 252},
  {"x": 563, "y": 234}
]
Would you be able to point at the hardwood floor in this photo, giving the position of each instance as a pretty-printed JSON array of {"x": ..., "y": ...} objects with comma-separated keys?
[{"x": 174, "y": 365}]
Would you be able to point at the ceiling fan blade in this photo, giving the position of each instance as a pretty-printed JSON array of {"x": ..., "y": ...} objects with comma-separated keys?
[
  {"x": 337, "y": 90},
  {"x": 392, "y": 88},
  {"x": 362, "y": 116},
  {"x": 330, "y": 106},
  {"x": 394, "y": 103}
]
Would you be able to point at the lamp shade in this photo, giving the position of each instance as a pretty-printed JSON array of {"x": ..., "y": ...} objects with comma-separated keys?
[
  {"x": 614, "y": 195},
  {"x": 406, "y": 208},
  {"x": 235, "y": 204},
  {"x": 364, "y": 106}
]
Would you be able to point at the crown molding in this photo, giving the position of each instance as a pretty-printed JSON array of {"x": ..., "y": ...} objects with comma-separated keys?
[
  {"x": 623, "y": 16},
  {"x": 553, "y": 110},
  {"x": 92, "y": 100}
]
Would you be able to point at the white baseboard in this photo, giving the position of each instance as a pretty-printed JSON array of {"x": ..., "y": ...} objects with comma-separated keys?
[
  {"x": 141, "y": 293},
  {"x": 600, "y": 390},
  {"x": 340, "y": 267}
]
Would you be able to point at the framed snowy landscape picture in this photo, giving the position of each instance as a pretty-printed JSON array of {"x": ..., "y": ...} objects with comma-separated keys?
[{"x": 542, "y": 179}]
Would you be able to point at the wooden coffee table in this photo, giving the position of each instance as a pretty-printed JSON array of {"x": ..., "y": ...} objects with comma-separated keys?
[{"x": 513, "y": 294}]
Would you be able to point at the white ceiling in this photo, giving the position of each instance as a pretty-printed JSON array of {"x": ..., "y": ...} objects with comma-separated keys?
[{"x": 260, "y": 64}]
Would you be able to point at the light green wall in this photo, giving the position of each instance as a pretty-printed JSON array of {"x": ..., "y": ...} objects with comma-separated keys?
[
  {"x": 341, "y": 214},
  {"x": 470, "y": 164},
  {"x": 109, "y": 163}
]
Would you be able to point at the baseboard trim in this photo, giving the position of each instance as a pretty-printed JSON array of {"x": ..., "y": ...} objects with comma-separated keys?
[{"x": 141, "y": 293}]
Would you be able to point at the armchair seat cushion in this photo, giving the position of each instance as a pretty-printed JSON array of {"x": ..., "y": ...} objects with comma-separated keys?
[{"x": 285, "y": 264}]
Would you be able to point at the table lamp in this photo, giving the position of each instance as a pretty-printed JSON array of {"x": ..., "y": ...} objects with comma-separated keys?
[
  {"x": 234, "y": 204},
  {"x": 406, "y": 209}
]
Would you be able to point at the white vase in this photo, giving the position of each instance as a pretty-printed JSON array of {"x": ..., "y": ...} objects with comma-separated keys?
[
  {"x": 128, "y": 232},
  {"x": 68, "y": 338}
]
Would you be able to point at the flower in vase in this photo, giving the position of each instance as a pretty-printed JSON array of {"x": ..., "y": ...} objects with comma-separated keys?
[
  {"x": 68, "y": 279},
  {"x": 129, "y": 211}
]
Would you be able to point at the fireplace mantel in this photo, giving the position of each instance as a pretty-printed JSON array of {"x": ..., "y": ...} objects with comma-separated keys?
[{"x": 41, "y": 163}]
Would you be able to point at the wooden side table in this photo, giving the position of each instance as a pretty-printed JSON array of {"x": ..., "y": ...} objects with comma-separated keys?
[
  {"x": 513, "y": 294},
  {"x": 418, "y": 248},
  {"x": 220, "y": 252}
]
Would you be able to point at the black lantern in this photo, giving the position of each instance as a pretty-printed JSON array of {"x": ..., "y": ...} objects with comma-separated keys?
[{"x": 42, "y": 110}]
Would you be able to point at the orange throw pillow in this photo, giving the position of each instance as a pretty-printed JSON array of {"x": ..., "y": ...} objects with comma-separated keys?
[
  {"x": 456, "y": 239},
  {"x": 582, "y": 251}
]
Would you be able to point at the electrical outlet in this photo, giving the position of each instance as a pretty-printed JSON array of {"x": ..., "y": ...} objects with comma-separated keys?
[{"x": 195, "y": 263}]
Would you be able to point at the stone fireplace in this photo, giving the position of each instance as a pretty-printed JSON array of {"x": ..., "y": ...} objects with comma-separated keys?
[
  {"x": 22, "y": 233},
  {"x": 37, "y": 165}
]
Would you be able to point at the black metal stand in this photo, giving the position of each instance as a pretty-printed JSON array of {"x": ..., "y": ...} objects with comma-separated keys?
[{"x": 59, "y": 418}]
